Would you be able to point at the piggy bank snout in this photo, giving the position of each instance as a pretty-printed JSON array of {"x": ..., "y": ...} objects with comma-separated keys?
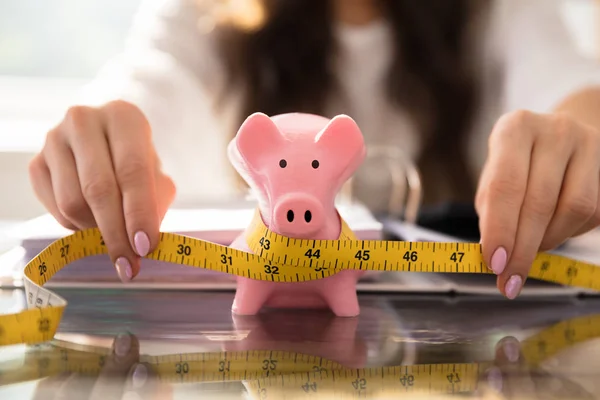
[{"x": 298, "y": 215}]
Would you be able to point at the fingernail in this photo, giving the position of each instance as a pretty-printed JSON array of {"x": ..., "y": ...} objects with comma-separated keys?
[
  {"x": 124, "y": 269},
  {"x": 511, "y": 350},
  {"x": 142, "y": 243},
  {"x": 122, "y": 345},
  {"x": 498, "y": 261},
  {"x": 513, "y": 286},
  {"x": 494, "y": 379},
  {"x": 139, "y": 376}
]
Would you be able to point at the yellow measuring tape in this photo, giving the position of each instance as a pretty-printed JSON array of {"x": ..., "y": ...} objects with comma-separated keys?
[
  {"x": 276, "y": 258},
  {"x": 275, "y": 373}
]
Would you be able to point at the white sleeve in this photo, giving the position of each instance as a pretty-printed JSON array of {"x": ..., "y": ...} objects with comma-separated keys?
[
  {"x": 170, "y": 70},
  {"x": 540, "y": 60},
  {"x": 166, "y": 53}
]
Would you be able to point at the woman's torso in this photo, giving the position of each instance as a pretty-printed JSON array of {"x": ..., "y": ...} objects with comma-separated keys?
[
  {"x": 176, "y": 93},
  {"x": 197, "y": 160}
]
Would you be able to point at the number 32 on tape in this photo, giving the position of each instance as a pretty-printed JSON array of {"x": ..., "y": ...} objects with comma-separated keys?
[{"x": 273, "y": 257}]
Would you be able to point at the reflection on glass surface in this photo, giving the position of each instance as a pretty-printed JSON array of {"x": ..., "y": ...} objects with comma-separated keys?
[{"x": 169, "y": 345}]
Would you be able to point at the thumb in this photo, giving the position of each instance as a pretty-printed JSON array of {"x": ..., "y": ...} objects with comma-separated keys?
[{"x": 166, "y": 192}]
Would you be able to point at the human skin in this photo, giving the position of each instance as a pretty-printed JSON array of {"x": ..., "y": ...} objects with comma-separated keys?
[{"x": 539, "y": 186}]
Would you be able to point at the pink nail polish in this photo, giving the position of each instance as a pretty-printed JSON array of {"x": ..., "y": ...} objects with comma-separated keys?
[
  {"x": 513, "y": 286},
  {"x": 142, "y": 243},
  {"x": 511, "y": 350},
  {"x": 140, "y": 375},
  {"x": 124, "y": 269},
  {"x": 122, "y": 345},
  {"x": 495, "y": 379},
  {"x": 499, "y": 260}
]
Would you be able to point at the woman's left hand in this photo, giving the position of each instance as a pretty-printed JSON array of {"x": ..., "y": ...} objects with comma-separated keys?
[{"x": 539, "y": 187}]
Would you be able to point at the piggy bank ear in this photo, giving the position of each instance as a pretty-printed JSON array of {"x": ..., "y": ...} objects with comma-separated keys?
[
  {"x": 257, "y": 138},
  {"x": 344, "y": 142}
]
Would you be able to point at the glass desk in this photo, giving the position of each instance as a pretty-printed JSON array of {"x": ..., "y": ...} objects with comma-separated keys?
[{"x": 138, "y": 344}]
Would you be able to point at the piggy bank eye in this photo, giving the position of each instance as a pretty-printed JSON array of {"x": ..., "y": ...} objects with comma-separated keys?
[
  {"x": 282, "y": 163},
  {"x": 315, "y": 164}
]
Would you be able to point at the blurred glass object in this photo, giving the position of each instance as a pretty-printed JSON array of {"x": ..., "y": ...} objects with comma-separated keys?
[{"x": 405, "y": 196}]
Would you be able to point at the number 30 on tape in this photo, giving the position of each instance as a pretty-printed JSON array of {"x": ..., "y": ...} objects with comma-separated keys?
[
  {"x": 285, "y": 374},
  {"x": 274, "y": 258}
]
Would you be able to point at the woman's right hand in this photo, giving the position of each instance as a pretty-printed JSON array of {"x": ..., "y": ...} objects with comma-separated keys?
[{"x": 99, "y": 168}]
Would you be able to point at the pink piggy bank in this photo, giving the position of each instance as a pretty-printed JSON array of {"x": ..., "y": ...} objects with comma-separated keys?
[{"x": 296, "y": 163}]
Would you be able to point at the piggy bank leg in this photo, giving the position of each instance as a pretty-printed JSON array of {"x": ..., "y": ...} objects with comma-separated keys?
[
  {"x": 337, "y": 292},
  {"x": 340, "y": 294},
  {"x": 250, "y": 294}
]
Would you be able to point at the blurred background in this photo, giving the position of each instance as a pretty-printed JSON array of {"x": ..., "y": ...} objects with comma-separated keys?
[{"x": 49, "y": 49}]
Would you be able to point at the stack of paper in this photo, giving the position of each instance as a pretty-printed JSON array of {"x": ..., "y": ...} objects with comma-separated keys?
[
  {"x": 584, "y": 248},
  {"x": 222, "y": 224}
]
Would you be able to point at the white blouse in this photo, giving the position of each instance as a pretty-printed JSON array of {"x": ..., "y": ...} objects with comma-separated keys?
[{"x": 522, "y": 51}]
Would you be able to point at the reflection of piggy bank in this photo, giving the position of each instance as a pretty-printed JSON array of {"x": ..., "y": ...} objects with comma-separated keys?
[
  {"x": 312, "y": 333},
  {"x": 296, "y": 163}
]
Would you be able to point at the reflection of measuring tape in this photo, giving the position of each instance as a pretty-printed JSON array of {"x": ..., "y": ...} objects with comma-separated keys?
[
  {"x": 274, "y": 372},
  {"x": 277, "y": 258},
  {"x": 289, "y": 370}
]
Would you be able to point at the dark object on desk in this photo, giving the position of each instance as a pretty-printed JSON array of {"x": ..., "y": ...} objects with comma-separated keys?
[
  {"x": 459, "y": 220},
  {"x": 455, "y": 219}
]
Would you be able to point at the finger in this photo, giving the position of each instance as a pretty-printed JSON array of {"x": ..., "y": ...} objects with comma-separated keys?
[
  {"x": 579, "y": 197},
  {"x": 511, "y": 373},
  {"x": 76, "y": 386},
  {"x": 502, "y": 190},
  {"x": 112, "y": 379},
  {"x": 130, "y": 142},
  {"x": 508, "y": 352},
  {"x": 144, "y": 383},
  {"x": 65, "y": 183},
  {"x": 515, "y": 378},
  {"x": 167, "y": 190},
  {"x": 549, "y": 160},
  {"x": 41, "y": 183},
  {"x": 593, "y": 222},
  {"x": 48, "y": 387},
  {"x": 100, "y": 189}
]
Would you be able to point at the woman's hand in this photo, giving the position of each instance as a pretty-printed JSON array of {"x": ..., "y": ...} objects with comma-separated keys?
[
  {"x": 511, "y": 377},
  {"x": 538, "y": 188},
  {"x": 99, "y": 168},
  {"x": 121, "y": 377}
]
